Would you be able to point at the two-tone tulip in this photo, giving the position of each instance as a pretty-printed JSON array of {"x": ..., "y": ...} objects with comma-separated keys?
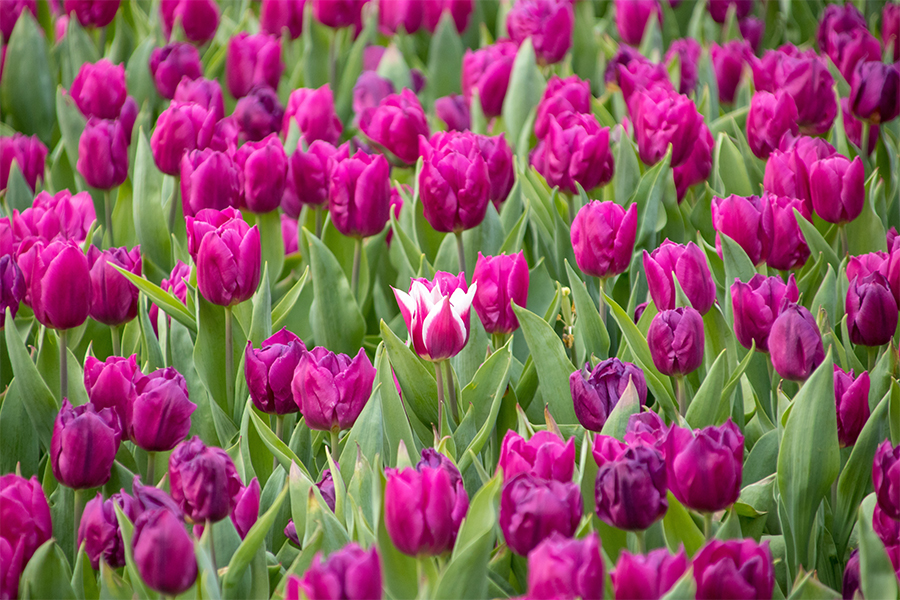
[
  {"x": 705, "y": 466},
  {"x": 603, "y": 235},
  {"x": 84, "y": 445},
  {"x": 596, "y": 392},
  {"x": 501, "y": 281},
  {"x": 331, "y": 389}
]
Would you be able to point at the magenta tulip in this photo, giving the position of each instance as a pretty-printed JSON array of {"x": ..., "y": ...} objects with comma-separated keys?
[
  {"x": 454, "y": 183},
  {"x": 532, "y": 509},
  {"x": 851, "y": 400},
  {"x": 350, "y": 573},
  {"x": 545, "y": 455},
  {"x": 789, "y": 250},
  {"x": 396, "y": 124},
  {"x": 58, "y": 280},
  {"x": 264, "y": 167},
  {"x": 566, "y": 568},
  {"x": 84, "y": 445},
  {"x": 164, "y": 552},
  {"x": 734, "y": 569},
  {"x": 111, "y": 384},
  {"x": 748, "y": 221},
  {"x": 173, "y": 63},
  {"x": 603, "y": 235},
  {"x": 756, "y": 304},
  {"x": 29, "y": 153},
  {"x": 648, "y": 576},
  {"x": 199, "y": 18},
  {"x": 501, "y": 280},
  {"x": 771, "y": 116},
  {"x": 705, "y": 466},
  {"x": 203, "y": 480},
  {"x": 331, "y": 389},
  {"x": 575, "y": 151},
  {"x": 676, "y": 341},
  {"x": 313, "y": 111},
  {"x": 180, "y": 129},
  {"x": 549, "y": 24},
  {"x": 487, "y": 70},
  {"x": 359, "y": 194},
  {"x": 688, "y": 264},
  {"x": 252, "y": 60},
  {"x": 837, "y": 188},
  {"x": 270, "y": 371},
  {"x": 871, "y": 310},
  {"x": 795, "y": 344},
  {"x": 160, "y": 416},
  {"x": 209, "y": 180},
  {"x": 632, "y": 17}
]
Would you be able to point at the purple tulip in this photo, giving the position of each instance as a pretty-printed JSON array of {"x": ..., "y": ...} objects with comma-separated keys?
[
  {"x": 209, "y": 180},
  {"x": 99, "y": 89},
  {"x": 453, "y": 111},
  {"x": 99, "y": 529},
  {"x": 789, "y": 250},
  {"x": 270, "y": 370},
  {"x": 392, "y": 14},
  {"x": 571, "y": 94},
  {"x": 25, "y": 515},
  {"x": 549, "y": 24},
  {"x": 630, "y": 491},
  {"x": 487, "y": 70},
  {"x": 228, "y": 262},
  {"x": 160, "y": 416},
  {"x": 103, "y": 154},
  {"x": 110, "y": 384},
  {"x": 331, "y": 389},
  {"x": 871, "y": 310},
  {"x": 290, "y": 532},
  {"x": 596, "y": 393},
  {"x": 289, "y": 227},
  {"x": 58, "y": 281},
  {"x": 771, "y": 116},
  {"x": 259, "y": 113},
  {"x": 252, "y": 60},
  {"x": 697, "y": 167},
  {"x": 370, "y": 89},
  {"x": 203, "y": 480},
  {"x": 875, "y": 92},
  {"x": 202, "y": 223},
  {"x": 326, "y": 488},
  {"x": 728, "y": 63},
  {"x": 30, "y": 155},
  {"x": 9, "y": 15},
  {"x": 199, "y": 18},
  {"x": 545, "y": 456},
  {"x": 852, "y": 577},
  {"x": 460, "y": 10},
  {"x": 787, "y": 169},
  {"x": 423, "y": 509},
  {"x": 886, "y": 478},
  {"x": 313, "y": 110},
  {"x": 84, "y": 445},
  {"x": 276, "y": 15},
  {"x": 359, "y": 194},
  {"x": 396, "y": 124},
  {"x": 12, "y": 287},
  {"x": 748, "y": 221},
  {"x": 853, "y": 48},
  {"x": 752, "y": 30},
  {"x": 634, "y": 73},
  {"x": 632, "y": 17},
  {"x": 559, "y": 567},
  {"x": 795, "y": 344},
  {"x": 308, "y": 176},
  {"x": 63, "y": 216},
  {"x": 113, "y": 298},
  {"x": 575, "y": 151},
  {"x": 866, "y": 264},
  {"x": 350, "y": 573},
  {"x": 11, "y": 557},
  {"x": 851, "y": 400},
  {"x": 853, "y": 128},
  {"x": 246, "y": 508},
  {"x": 837, "y": 188},
  {"x": 688, "y": 52},
  {"x": 676, "y": 342},
  {"x": 718, "y": 9},
  {"x": 264, "y": 167},
  {"x": 499, "y": 159},
  {"x": 164, "y": 552},
  {"x": 501, "y": 281},
  {"x": 704, "y": 466},
  {"x": 734, "y": 569},
  {"x": 603, "y": 235},
  {"x": 454, "y": 183},
  {"x": 661, "y": 118},
  {"x": 688, "y": 264},
  {"x": 171, "y": 64},
  {"x": 890, "y": 28},
  {"x": 648, "y": 576},
  {"x": 837, "y": 19},
  {"x": 226, "y": 135},
  {"x": 180, "y": 129},
  {"x": 338, "y": 13},
  {"x": 648, "y": 428},
  {"x": 532, "y": 509},
  {"x": 93, "y": 13}
]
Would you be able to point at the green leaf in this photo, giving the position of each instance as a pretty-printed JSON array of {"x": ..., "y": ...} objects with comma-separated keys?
[
  {"x": 866, "y": 233},
  {"x": 27, "y": 90},
  {"x": 877, "y": 577},
  {"x": 810, "y": 588},
  {"x": 816, "y": 242},
  {"x": 147, "y": 211},
  {"x": 708, "y": 407},
  {"x": 279, "y": 449},
  {"x": 47, "y": 574},
  {"x": 167, "y": 302},
  {"x": 588, "y": 326},
  {"x": 396, "y": 423},
  {"x": 366, "y": 436},
  {"x": 680, "y": 529},
  {"x": 737, "y": 266},
  {"x": 126, "y": 528},
  {"x": 629, "y": 404},
  {"x": 685, "y": 587},
  {"x": 112, "y": 586},
  {"x": 283, "y": 308},
  {"x": 350, "y": 71},
  {"x": 208, "y": 578},
  {"x": 526, "y": 86},
  {"x": 729, "y": 170},
  {"x": 445, "y": 56},
  {"x": 397, "y": 569},
  {"x": 261, "y": 324},
  {"x": 628, "y": 171},
  {"x": 417, "y": 382},
  {"x": 649, "y": 199},
  {"x": 18, "y": 194},
  {"x": 317, "y": 39},
  {"x": 76, "y": 49}
]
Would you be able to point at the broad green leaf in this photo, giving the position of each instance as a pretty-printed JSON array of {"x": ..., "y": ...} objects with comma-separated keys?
[
  {"x": 680, "y": 529},
  {"x": 649, "y": 199},
  {"x": 126, "y": 528},
  {"x": 628, "y": 170},
  {"x": 207, "y": 578},
  {"x": 737, "y": 266},
  {"x": 112, "y": 586},
  {"x": 27, "y": 90},
  {"x": 287, "y": 302},
  {"x": 445, "y": 56},
  {"x": 685, "y": 587},
  {"x": 588, "y": 325},
  {"x": 761, "y": 462},
  {"x": 417, "y": 382},
  {"x": 877, "y": 577},
  {"x": 254, "y": 540},
  {"x": 816, "y": 242},
  {"x": 366, "y": 436},
  {"x": 808, "y": 587},
  {"x": 526, "y": 86},
  {"x": 729, "y": 170},
  {"x": 18, "y": 194},
  {"x": 168, "y": 303},
  {"x": 279, "y": 449},
  {"x": 47, "y": 574},
  {"x": 397, "y": 569},
  {"x": 708, "y": 407},
  {"x": 396, "y": 423},
  {"x": 149, "y": 221},
  {"x": 261, "y": 325},
  {"x": 629, "y": 404}
]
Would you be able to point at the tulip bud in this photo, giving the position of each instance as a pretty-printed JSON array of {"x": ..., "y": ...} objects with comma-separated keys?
[
  {"x": 734, "y": 569},
  {"x": 160, "y": 417},
  {"x": 30, "y": 155},
  {"x": 575, "y": 151},
  {"x": 460, "y": 10},
  {"x": 648, "y": 428},
  {"x": 748, "y": 221},
  {"x": 423, "y": 509},
  {"x": 837, "y": 188},
  {"x": 12, "y": 287},
  {"x": 661, "y": 118},
  {"x": 25, "y": 515},
  {"x": 532, "y": 509},
  {"x": 866, "y": 264},
  {"x": 875, "y": 92},
  {"x": 787, "y": 170},
  {"x": 630, "y": 491},
  {"x": 359, "y": 194},
  {"x": 501, "y": 281},
  {"x": 99, "y": 89},
  {"x": 549, "y": 24},
  {"x": 718, "y": 9},
  {"x": 9, "y": 15},
  {"x": 99, "y": 529},
  {"x": 851, "y": 399},
  {"x": 634, "y": 73},
  {"x": 326, "y": 488},
  {"x": 330, "y": 389},
  {"x": 93, "y": 13},
  {"x": 369, "y": 91},
  {"x": 351, "y": 573},
  {"x": 770, "y": 117},
  {"x": 110, "y": 384},
  {"x": 209, "y": 180},
  {"x": 396, "y": 124},
  {"x": 728, "y": 63},
  {"x": 571, "y": 94},
  {"x": 58, "y": 282},
  {"x": 164, "y": 552},
  {"x": 676, "y": 342},
  {"x": 487, "y": 70},
  {"x": 454, "y": 183},
  {"x": 566, "y": 568},
  {"x": 752, "y": 30},
  {"x": 276, "y": 15},
  {"x": 246, "y": 508},
  {"x": 789, "y": 250},
  {"x": 113, "y": 298},
  {"x": 688, "y": 52},
  {"x": 795, "y": 343},
  {"x": 392, "y": 14},
  {"x": 890, "y": 28},
  {"x": 436, "y": 314},
  {"x": 697, "y": 167},
  {"x": 648, "y": 576},
  {"x": 632, "y": 17},
  {"x": 851, "y": 579},
  {"x": 84, "y": 445},
  {"x": 270, "y": 370},
  {"x": 886, "y": 478},
  {"x": 499, "y": 159},
  {"x": 103, "y": 154},
  {"x": 454, "y": 112},
  {"x": 308, "y": 176},
  {"x": 252, "y": 60},
  {"x": 264, "y": 166},
  {"x": 704, "y": 466},
  {"x": 259, "y": 113},
  {"x": 596, "y": 393},
  {"x": 173, "y": 63},
  {"x": 338, "y": 13},
  {"x": 603, "y": 235},
  {"x": 838, "y": 18},
  {"x": 203, "y": 480},
  {"x": 545, "y": 455},
  {"x": 871, "y": 311},
  {"x": 180, "y": 129},
  {"x": 756, "y": 304},
  {"x": 228, "y": 261},
  {"x": 290, "y": 532},
  {"x": 688, "y": 264},
  {"x": 199, "y": 18},
  {"x": 313, "y": 110},
  {"x": 64, "y": 216}
]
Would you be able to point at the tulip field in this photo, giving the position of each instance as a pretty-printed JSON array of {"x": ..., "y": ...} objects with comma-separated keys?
[{"x": 451, "y": 299}]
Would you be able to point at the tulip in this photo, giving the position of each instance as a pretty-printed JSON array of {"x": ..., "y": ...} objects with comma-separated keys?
[
  {"x": 688, "y": 264},
  {"x": 164, "y": 552},
  {"x": 228, "y": 262},
  {"x": 369, "y": 91},
  {"x": 338, "y": 13},
  {"x": 84, "y": 445},
  {"x": 203, "y": 481},
  {"x": 308, "y": 177},
  {"x": 687, "y": 50},
  {"x": 171, "y": 64},
  {"x": 199, "y": 18},
  {"x": 12, "y": 287},
  {"x": 885, "y": 471},
  {"x": 545, "y": 455},
  {"x": 752, "y": 30},
  {"x": 795, "y": 343},
  {"x": 630, "y": 491},
  {"x": 549, "y": 24},
  {"x": 718, "y": 9},
  {"x": 871, "y": 311},
  {"x": 575, "y": 151},
  {"x": 734, "y": 569},
  {"x": 9, "y": 15},
  {"x": 532, "y": 509},
  {"x": 30, "y": 155},
  {"x": 103, "y": 154},
  {"x": 99, "y": 89},
  {"x": 676, "y": 342},
  {"x": 890, "y": 28},
  {"x": 11, "y": 561},
  {"x": 359, "y": 194},
  {"x": 392, "y": 14},
  {"x": 499, "y": 159},
  {"x": 756, "y": 304},
  {"x": 875, "y": 92},
  {"x": 59, "y": 283},
  {"x": 93, "y": 13},
  {"x": 24, "y": 513},
  {"x": 8, "y": 243},
  {"x": 697, "y": 167},
  {"x": 396, "y": 207},
  {"x": 436, "y": 314},
  {"x": 326, "y": 488},
  {"x": 648, "y": 428},
  {"x": 209, "y": 180},
  {"x": 501, "y": 281},
  {"x": 632, "y": 17},
  {"x": 351, "y": 573},
  {"x": 789, "y": 249},
  {"x": 853, "y": 48},
  {"x": 99, "y": 529},
  {"x": 252, "y": 60},
  {"x": 704, "y": 466},
  {"x": 852, "y": 577},
  {"x": 65, "y": 216},
  {"x": 180, "y": 129},
  {"x": 837, "y": 188},
  {"x": 637, "y": 74},
  {"x": 264, "y": 166},
  {"x": 176, "y": 286},
  {"x": 838, "y": 18},
  {"x": 113, "y": 298},
  {"x": 728, "y": 63},
  {"x": 205, "y": 92},
  {"x": 259, "y": 113},
  {"x": 770, "y": 117},
  {"x": 603, "y": 235},
  {"x": 892, "y": 266},
  {"x": 205, "y": 221},
  {"x": 648, "y": 576},
  {"x": 566, "y": 568},
  {"x": 331, "y": 389},
  {"x": 571, "y": 94},
  {"x": 110, "y": 384},
  {"x": 851, "y": 400},
  {"x": 423, "y": 509},
  {"x": 454, "y": 183},
  {"x": 290, "y": 532},
  {"x": 787, "y": 170},
  {"x": 866, "y": 264},
  {"x": 396, "y": 124},
  {"x": 748, "y": 221},
  {"x": 853, "y": 127},
  {"x": 596, "y": 393},
  {"x": 487, "y": 70},
  {"x": 454, "y": 112},
  {"x": 460, "y": 10},
  {"x": 662, "y": 118},
  {"x": 246, "y": 508},
  {"x": 313, "y": 110},
  {"x": 160, "y": 416},
  {"x": 270, "y": 370}
]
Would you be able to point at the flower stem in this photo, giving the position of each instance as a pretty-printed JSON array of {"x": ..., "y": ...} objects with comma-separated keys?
[
  {"x": 63, "y": 364},
  {"x": 707, "y": 525},
  {"x": 279, "y": 427},
  {"x": 107, "y": 203},
  {"x": 680, "y": 395},
  {"x": 335, "y": 444},
  {"x": 229, "y": 357},
  {"x": 116, "y": 334},
  {"x": 845, "y": 242},
  {"x": 641, "y": 544},
  {"x": 320, "y": 218},
  {"x": 873, "y": 357},
  {"x": 212, "y": 547},
  {"x": 440, "y": 390},
  {"x": 864, "y": 148},
  {"x": 173, "y": 205},
  {"x": 151, "y": 468},
  {"x": 79, "y": 510},
  {"x": 357, "y": 258},
  {"x": 461, "y": 251},
  {"x": 570, "y": 200},
  {"x": 451, "y": 388},
  {"x": 602, "y": 303}
]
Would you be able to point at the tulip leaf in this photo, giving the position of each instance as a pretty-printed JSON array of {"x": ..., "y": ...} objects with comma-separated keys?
[
  {"x": 737, "y": 266},
  {"x": 816, "y": 242},
  {"x": 283, "y": 308},
  {"x": 18, "y": 193},
  {"x": 147, "y": 211},
  {"x": 261, "y": 323},
  {"x": 649, "y": 199},
  {"x": 526, "y": 86},
  {"x": 679, "y": 529},
  {"x": 18, "y": 443},
  {"x": 112, "y": 586},
  {"x": 168, "y": 303},
  {"x": 208, "y": 578},
  {"x": 708, "y": 407},
  {"x": 126, "y": 528},
  {"x": 589, "y": 326},
  {"x": 47, "y": 574},
  {"x": 366, "y": 436},
  {"x": 350, "y": 70},
  {"x": 685, "y": 587},
  {"x": 396, "y": 423},
  {"x": 627, "y": 172},
  {"x": 445, "y": 55},
  {"x": 729, "y": 170},
  {"x": 317, "y": 39},
  {"x": 877, "y": 578},
  {"x": 808, "y": 462},
  {"x": 320, "y": 517},
  {"x": 27, "y": 90},
  {"x": 629, "y": 404},
  {"x": 76, "y": 49},
  {"x": 554, "y": 367},
  {"x": 418, "y": 384},
  {"x": 279, "y": 449},
  {"x": 397, "y": 569},
  {"x": 513, "y": 242}
]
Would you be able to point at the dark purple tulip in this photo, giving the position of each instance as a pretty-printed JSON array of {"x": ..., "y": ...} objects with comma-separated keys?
[
  {"x": 575, "y": 151},
  {"x": 549, "y": 24},
  {"x": 545, "y": 456},
  {"x": 560, "y": 567},
  {"x": 454, "y": 183},
  {"x": 718, "y": 9},
  {"x": 648, "y": 428},
  {"x": 270, "y": 370},
  {"x": 630, "y": 491},
  {"x": 460, "y": 10},
  {"x": 290, "y": 532},
  {"x": 704, "y": 466},
  {"x": 853, "y": 128},
  {"x": 728, "y": 62},
  {"x": 350, "y": 573},
  {"x": 252, "y": 60},
  {"x": 12, "y": 287},
  {"x": 837, "y": 19},
  {"x": 392, "y": 14},
  {"x": 661, "y": 118},
  {"x": 110, "y": 384},
  {"x": 770, "y": 117},
  {"x": 203, "y": 480},
  {"x": 789, "y": 249},
  {"x": 871, "y": 310},
  {"x": 752, "y": 30},
  {"x": 886, "y": 479},
  {"x": 264, "y": 166},
  {"x": 531, "y": 509},
  {"x": 148, "y": 497},
  {"x": 499, "y": 159},
  {"x": 688, "y": 52},
  {"x": 837, "y": 188},
  {"x": 164, "y": 552},
  {"x": 246, "y": 508},
  {"x": 308, "y": 176},
  {"x": 487, "y": 70},
  {"x": 103, "y": 154},
  {"x": 228, "y": 262},
  {"x": 113, "y": 298},
  {"x": 209, "y": 180},
  {"x": 326, "y": 488},
  {"x": 59, "y": 283},
  {"x": 748, "y": 221},
  {"x": 596, "y": 393},
  {"x": 160, "y": 416},
  {"x": 396, "y": 124},
  {"x": 93, "y": 13},
  {"x": 866, "y": 264},
  {"x": 331, "y": 389},
  {"x": 30, "y": 155},
  {"x": 99, "y": 529},
  {"x": 276, "y": 15},
  {"x": 875, "y": 92},
  {"x": 603, "y": 235},
  {"x": 648, "y": 576},
  {"x": 199, "y": 18},
  {"x": 454, "y": 112},
  {"x": 259, "y": 113},
  {"x": 359, "y": 194},
  {"x": 9, "y": 245},
  {"x": 851, "y": 579},
  {"x": 851, "y": 49},
  {"x": 226, "y": 135},
  {"x": 338, "y": 13},
  {"x": 64, "y": 216},
  {"x": 24, "y": 513},
  {"x": 180, "y": 129},
  {"x": 697, "y": 167},
  {"x": 890, "y": 28},
  {"x": 501, "y": 281},
  {"x": 99, "y": 89},
  {"x": 313, "y": 110},
  {"x": 370, "y": 89},
  {"x": 171, "y": 64},
  {"x": 632, "y": 17},
  {"x": 84, "y": 445},
  {"x": 795, "y": 344},
  {"x": 688, "y": 264},
  {"x": 9, "y": 14},
  {"x": 734, "y": 569},
  {"x": 851, "y": 400},
  {"x": 676, "y": 342},
  {"x": 571, "y": 94}
]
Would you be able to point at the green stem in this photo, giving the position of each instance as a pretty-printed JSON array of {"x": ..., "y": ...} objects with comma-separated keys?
[
  {"x": 680, "y": 394},
  {"x": 570, "y": 199},
  {"x": 63, "y": 364},
  {"x": 151, "y": 468},
  {"x": 357, "y": 258},
  {"x": 707, "y": 525},
  {"x": 451, "y": 388},
  {"x": 173, "y": 205},
  {"x": 335, "y": 444},
  {"x": 320, "y": 219},
  {"x": 873, "y": 357},
  {"x": 461, "y": 251},
  {"x": 845, "y": 242},
  {"x": 440, "y": 390},
  {"x": 229, "y": 357},
  {"x": 498, "y": 340},
  {"x": 107, "y": 204},
  {"x": 116, "y": 334},
  {"x": 602, "y": 303},
  {"x": 279, "y": 427},
  {"x": 79, "y": 510},
  {"x": 641, "y": 544},
  {"x": 332, "y": 59},
  {"x": 864, "y": 148},
  {"x": 212, "y": 547}
]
